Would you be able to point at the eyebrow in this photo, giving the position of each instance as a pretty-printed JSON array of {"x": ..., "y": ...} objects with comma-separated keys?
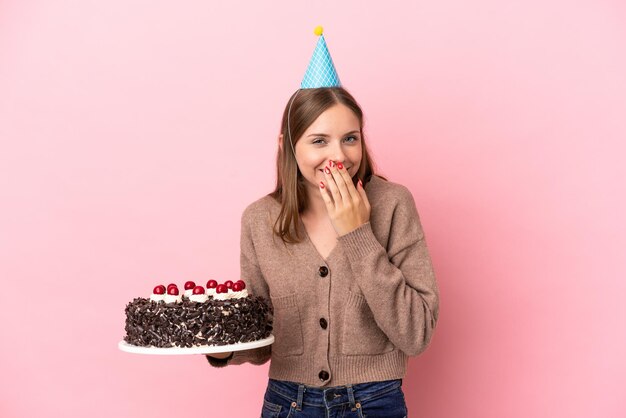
[{"x": 324, "y": 135}]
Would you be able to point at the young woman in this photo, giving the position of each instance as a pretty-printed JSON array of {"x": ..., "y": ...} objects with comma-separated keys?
[{"x": 341, "y": 255}]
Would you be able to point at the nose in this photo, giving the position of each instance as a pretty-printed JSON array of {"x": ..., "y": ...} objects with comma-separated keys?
[{"x": 337, "y": 154}]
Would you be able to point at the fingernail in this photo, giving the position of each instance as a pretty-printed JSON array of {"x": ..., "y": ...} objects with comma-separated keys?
[
  {"x": 322, "y": 184},
  {"x": 332, "y": 163},
  {"x": 360, "y": 183},
  {"x": 327, "y": 170},
  {"x": 339, "y": 166}
]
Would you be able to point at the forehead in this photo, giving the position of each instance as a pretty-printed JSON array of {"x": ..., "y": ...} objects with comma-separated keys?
[{"x": 337, "y": 119}]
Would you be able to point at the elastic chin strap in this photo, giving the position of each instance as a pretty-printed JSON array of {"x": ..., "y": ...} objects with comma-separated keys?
[{"x": 292, "y": 148}]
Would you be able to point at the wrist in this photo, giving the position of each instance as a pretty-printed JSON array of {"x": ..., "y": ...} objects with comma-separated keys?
[{"x": 351, "y": 229}]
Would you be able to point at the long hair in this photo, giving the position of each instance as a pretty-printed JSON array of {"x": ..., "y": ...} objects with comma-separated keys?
[{"x": 303, "y": 108}]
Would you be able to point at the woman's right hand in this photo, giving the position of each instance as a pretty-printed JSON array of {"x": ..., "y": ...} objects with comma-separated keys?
[{"x": 220, "y": 356}]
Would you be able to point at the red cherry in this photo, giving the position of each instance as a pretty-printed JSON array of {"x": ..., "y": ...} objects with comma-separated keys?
[
  {"x": 171, "y": 284},
  {"x": 237, "y": 287},
  {"x": 221, "y": 288},
  {"x": 198, "y": 290},
  {"x": 229, "y": 284},
  {"x": 189, "y": 285},
  {"x": 172, "y": 291},
  {"x": 211, "y": 284},
  {"x": 159, "y": 290},
  {"x": 242, "y": 282}
]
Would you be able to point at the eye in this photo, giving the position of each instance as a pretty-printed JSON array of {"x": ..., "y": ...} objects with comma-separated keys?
[{"x": 349, "y": 139}]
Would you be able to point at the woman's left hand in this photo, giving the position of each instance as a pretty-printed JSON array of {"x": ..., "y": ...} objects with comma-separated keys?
[{"x": 348, "y": 207}]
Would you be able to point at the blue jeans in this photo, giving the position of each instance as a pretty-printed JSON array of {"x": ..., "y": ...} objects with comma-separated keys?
[{"x": 363, "y": 400}]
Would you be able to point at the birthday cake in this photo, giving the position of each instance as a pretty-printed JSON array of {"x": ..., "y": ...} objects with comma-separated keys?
[{"x": 218, "y": 314}]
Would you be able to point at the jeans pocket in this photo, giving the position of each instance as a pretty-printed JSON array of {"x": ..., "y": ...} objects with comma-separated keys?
[
  {"x": 361, "y": 335},
  {"x": 287, "y": 328},
  {"x": 270, "y": 410}
]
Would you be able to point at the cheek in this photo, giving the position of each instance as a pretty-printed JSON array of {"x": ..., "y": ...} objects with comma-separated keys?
[
  {"x": 356, "y": 155},
  {"x": 312, "y": 161},
  {"x": 308, "y": 161}
]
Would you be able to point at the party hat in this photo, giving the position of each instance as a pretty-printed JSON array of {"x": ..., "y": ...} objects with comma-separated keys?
[{"x": 321, "y": 71}]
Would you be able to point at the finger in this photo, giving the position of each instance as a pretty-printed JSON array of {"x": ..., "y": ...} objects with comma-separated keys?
[
  {"x": 362, "y": 193},
  {"x": 341, "y": 185},
  {"x": 354, "y": 194},
  {"x": 326, "y": 196},
  {"x": 332, "y": 186}
]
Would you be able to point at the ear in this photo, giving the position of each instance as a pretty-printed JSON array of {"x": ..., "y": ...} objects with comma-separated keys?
[{"x": 280, "y": 142}]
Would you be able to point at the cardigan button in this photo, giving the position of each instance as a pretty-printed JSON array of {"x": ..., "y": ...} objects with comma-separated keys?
[
  {"x": 323, "y": 271},
  {"x": 323, "y": 323},
  {"x": 324, "y": 375}
]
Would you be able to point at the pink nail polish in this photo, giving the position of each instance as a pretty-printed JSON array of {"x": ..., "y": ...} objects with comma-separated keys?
[
  {"x": 339, "y": 166},
  {"x": 326, "y": 170},
  {"x": 322, "y": 184}
]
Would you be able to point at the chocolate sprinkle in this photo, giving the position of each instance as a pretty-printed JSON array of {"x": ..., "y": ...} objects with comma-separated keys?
[{"x": 188, "y": 324}]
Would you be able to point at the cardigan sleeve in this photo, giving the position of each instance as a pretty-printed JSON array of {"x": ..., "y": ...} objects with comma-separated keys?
[
  {"x": 398, "y": 283},
  {"x": 251, "y": 274}
]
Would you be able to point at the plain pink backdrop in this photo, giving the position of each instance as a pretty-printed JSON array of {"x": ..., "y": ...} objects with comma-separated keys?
[{"x": 134, "y": 133}]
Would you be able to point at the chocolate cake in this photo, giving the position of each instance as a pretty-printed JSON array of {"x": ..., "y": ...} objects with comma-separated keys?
[{"x": 216, "y": 315}]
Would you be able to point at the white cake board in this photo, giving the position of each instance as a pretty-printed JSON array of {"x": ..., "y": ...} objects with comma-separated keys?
[{"x": 205, "y": 349}]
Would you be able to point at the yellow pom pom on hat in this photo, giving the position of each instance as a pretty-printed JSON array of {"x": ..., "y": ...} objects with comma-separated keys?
[{"x": 321, "y": 70}]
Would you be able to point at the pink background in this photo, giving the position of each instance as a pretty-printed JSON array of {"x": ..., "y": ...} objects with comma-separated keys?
[{"x": 133, "y": 134}]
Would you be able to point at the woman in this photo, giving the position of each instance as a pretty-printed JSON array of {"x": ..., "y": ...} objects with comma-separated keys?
[
  {"x": 345, "y": 266},
  {"x": 342, "y": 257}
]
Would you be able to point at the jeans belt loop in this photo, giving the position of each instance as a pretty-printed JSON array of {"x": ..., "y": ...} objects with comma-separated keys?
[
  {"x": 301, "y": 390},
  {"x": 351, "y": 396}
]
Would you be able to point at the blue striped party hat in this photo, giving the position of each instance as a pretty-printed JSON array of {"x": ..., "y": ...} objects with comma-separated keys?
[{"x": 321, "y": 71}]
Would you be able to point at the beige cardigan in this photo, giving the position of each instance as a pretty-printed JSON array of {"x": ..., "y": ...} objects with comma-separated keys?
[{"x": 354, "y": 317}]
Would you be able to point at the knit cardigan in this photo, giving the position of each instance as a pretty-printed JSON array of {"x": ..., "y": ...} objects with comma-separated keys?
[{"x": 353, "y": 317}]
